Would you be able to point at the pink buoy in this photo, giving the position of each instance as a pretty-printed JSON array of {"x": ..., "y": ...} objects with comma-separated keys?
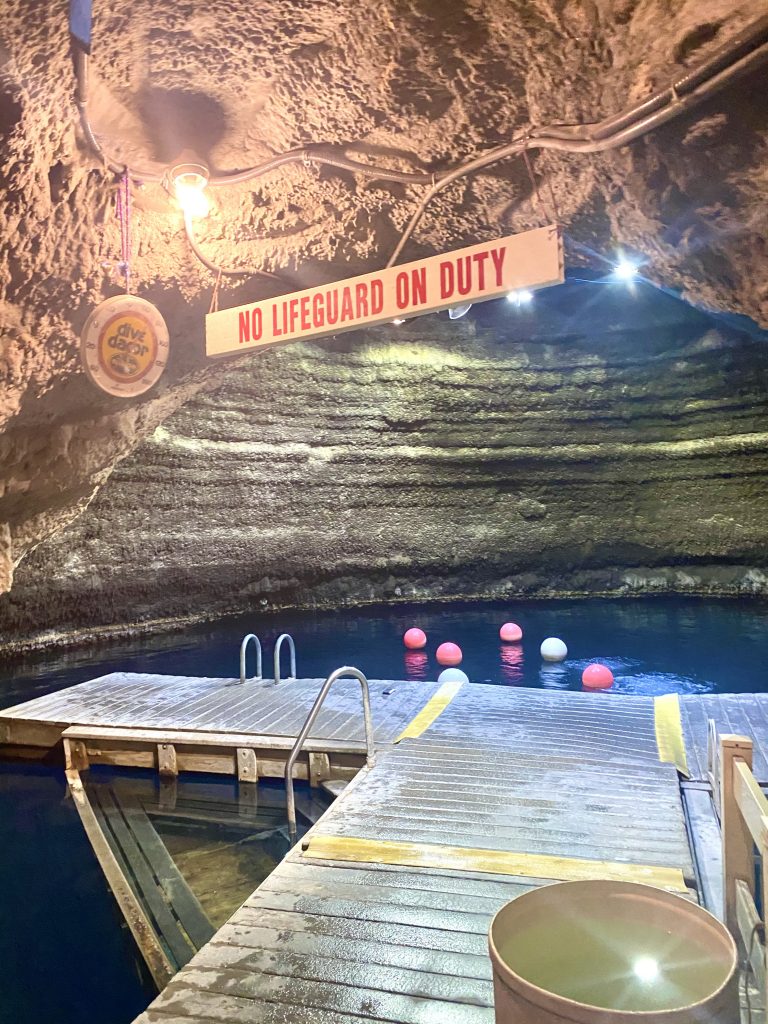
[
  {"x": 415, "y": 638},
  {"x": 510, "y": 633},
  {"x": 449, "y": 654},
  {"x": 597, "y": 677}
]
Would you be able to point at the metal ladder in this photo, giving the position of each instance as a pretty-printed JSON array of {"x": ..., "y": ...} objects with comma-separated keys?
[
  {"x": 278, "y": 645},
  {"x": 347, "y": 670}
]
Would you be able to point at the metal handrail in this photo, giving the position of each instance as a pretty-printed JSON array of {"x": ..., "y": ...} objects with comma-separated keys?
[
  {"x": 278, "y": 645},
  {"x": 243, "y": 649},
  {"x": 347, "y": 670}
]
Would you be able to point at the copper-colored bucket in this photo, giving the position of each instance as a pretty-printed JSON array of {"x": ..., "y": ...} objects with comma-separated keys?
[{"x": 611, "y": 953}]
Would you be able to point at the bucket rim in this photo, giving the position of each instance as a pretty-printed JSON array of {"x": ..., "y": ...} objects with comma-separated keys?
[{"x": 601, "y": 1014}]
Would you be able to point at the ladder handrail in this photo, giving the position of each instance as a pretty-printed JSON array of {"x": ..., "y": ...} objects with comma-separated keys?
[
  {"x": 347, "y": 670},
  {"x": 243, "y": 650},
  {"x": 278, "y": 645}
]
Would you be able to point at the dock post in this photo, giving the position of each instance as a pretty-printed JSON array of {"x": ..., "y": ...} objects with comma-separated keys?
[{"x": 738, "y": 859}]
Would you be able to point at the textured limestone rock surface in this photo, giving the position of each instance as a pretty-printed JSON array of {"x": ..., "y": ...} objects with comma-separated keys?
[
  {"x": 413, "y": 83},
  {"x": 517, "y": 454}
]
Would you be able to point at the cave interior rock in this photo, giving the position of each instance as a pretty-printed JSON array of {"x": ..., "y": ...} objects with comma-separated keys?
[{"x": 607, "y": 438}]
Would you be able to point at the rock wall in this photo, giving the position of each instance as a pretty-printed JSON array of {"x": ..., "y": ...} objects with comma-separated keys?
[
  {"x": 419, "y": 84},
  {"x": 600, "y": 442}
]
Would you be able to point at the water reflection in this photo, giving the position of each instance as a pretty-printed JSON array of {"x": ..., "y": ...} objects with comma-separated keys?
[
  {"x": 512, "y": 664},
  {"x": 416, "y": 665},
  {"x": 553, "y": 676}
]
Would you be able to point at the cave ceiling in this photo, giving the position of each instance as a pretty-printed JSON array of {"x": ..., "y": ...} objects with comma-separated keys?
[{"x": 418, "y": 85}]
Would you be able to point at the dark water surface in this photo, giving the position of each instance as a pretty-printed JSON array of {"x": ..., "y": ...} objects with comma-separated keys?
[
  {"x": 653, "y": 646},
  {"x": 64, "y": 956}
]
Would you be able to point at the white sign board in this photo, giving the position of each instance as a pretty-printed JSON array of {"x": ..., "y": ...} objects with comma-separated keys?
[{"x": 531, "y": 260}]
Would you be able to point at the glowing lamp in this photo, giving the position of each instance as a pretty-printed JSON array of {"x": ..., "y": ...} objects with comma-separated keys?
[
  {"x": 522, "y": 297},
  {"x": 449, "y": 654},
  {"x": 625, "y": 269},
  {"x": 188, "y": 180}
]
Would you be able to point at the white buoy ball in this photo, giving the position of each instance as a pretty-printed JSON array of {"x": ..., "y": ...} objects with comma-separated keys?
[
  {"x": 452, "y": 675},
  {"x": 553, "y": 649}
]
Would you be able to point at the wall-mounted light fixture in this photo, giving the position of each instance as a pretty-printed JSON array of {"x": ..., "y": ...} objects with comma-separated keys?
[
  {"x": 188, "y": 179},
  {"x": 456, "y": 312},
  {"x": 625, "y": 270}
]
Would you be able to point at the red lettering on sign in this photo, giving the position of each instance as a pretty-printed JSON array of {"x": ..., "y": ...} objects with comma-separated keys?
[
  {"x": 347, "y": 312},
  {"x": 480, "y": 258},
  {"x": 497, "y": 255},
  {"x": 256, "y": 325},
  {"x": 418, "y": 286},
  {"x": 463, "y": 275},
  {"x": 244, "y": 327},
  {"x": 332, "y": 308},
  {"x": 317, "y": 310},
  {"x": 293, "y": 314},
  {"x": 446, "y": 280},
  {"x": 361, "y": 299},
  {"x": 402, "y": 291},
  {"x": 275, "y": 328},
  {"x": 305, "y": 324},
  {"x": 377, "y": 296}
]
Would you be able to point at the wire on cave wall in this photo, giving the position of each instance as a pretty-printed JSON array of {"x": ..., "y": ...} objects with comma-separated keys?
[{"x": 746, "y": 51}]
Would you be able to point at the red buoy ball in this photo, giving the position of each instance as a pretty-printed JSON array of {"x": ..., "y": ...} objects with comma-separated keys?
[
  {"x": 510, "y": 633},
  {"x": 597, "y": 677},
  {"x": 449, "y": 654},
  {"x": 415, "y": 638}
]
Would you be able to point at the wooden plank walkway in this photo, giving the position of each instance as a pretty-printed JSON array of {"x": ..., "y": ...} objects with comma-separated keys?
[
  {"x": 191, "y": 704},
  {"x": 554, "y": 784}
]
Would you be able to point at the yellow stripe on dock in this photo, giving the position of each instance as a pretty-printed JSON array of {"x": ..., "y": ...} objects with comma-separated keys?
[
  {"x": 669, "y": 732},
  {"x": 431, "y": 710},
  {"x": 495, "y": 862}
]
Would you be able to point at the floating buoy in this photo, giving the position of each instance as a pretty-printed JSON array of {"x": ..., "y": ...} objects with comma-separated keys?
[
  {"x": 415, "y": 638},
  {"x": 510, "y": 633},
  {"x": 452, "y": 675},
  {"x": 553, "y": 649},
  {"x": 449, "y": 654},
  {"x": 597, "y": 676}
]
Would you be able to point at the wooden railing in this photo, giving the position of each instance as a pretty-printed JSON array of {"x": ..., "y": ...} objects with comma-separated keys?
[{"x": 744, "y": 823}]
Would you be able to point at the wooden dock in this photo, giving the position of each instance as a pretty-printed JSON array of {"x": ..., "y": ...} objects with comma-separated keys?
[{"x": 381, "y": 913}]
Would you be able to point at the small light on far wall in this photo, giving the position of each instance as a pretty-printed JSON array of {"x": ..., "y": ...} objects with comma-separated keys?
[
  {"x": 398, "y": 321},
  {"x": 625, "y": 269},
  {"x": 456, "y": 312},
  {"x": 522, "y": 297}
]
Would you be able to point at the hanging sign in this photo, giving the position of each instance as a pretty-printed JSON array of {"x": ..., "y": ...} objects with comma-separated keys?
[
  {"x": 530, "y": 260},
  {"x": 124, "y": 346}
]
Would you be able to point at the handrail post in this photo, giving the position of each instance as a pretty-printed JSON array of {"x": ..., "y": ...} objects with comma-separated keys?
[
  {"x": 370, "y": 758},
  {"x": 243, "y": 650},
  {"x": 292, "y": 646},
  {"x": 738, "y": 858}
]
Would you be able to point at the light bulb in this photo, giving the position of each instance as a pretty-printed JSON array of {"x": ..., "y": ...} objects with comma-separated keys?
[
  {"x": 398, "y": 322},
  {"x": 188, "y": 179},
  {"x": 625, "y": 269},
  {"x": 522, "y": 297},
  {"x": 192, "y": 199}
]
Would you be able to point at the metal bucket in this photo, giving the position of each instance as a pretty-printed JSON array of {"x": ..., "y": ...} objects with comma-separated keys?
[{"x": 611, "y": 953}]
